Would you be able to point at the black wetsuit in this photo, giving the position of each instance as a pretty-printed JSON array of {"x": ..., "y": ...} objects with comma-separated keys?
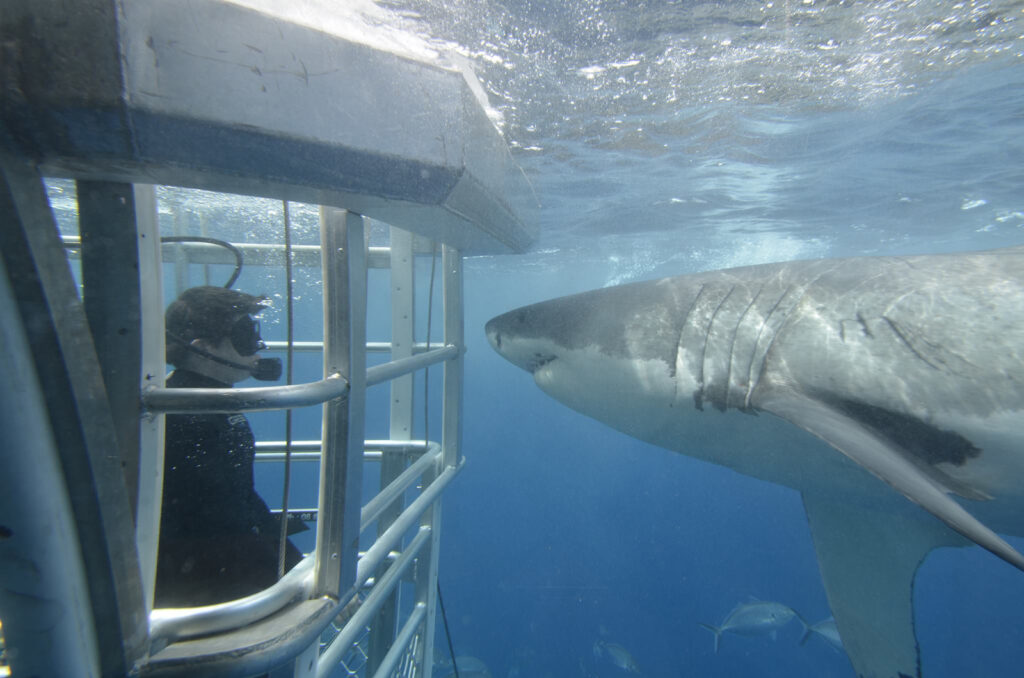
[{"x": 218, "y": 539}]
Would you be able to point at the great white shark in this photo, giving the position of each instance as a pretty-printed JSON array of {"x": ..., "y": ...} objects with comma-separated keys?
[{"x": 910, "y": 369}]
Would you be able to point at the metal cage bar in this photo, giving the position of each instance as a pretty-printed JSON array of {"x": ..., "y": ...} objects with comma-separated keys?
[
  {"x": 153, "y": 364},
  {"x": 400, "y": 425},
  {"x": 88, "y": 464},
  {"x": 344, "y": 282},
  {"x": 158, "y": 400}
]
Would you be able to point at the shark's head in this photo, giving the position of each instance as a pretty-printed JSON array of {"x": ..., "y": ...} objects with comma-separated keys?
[{"x": 610, "y": 353}]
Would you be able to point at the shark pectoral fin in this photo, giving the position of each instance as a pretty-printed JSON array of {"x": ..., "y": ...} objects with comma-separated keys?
[
  {"x": 888, "y": 463},
  {"x": 868, "y": 559}
]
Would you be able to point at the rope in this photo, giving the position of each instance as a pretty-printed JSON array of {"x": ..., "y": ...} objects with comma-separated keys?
[
  {"x": 283, "y": 543},
  {"x": 430, "y": 315},
  {"x": 447, "y": 633}
]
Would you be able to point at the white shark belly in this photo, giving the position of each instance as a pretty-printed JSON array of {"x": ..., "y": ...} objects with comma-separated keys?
[{"x": 663, "y": 413}]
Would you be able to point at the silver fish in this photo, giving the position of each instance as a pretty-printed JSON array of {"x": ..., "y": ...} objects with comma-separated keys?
[
  {"x": 617, "y": 655},
  {"x": 759, "y": 618}
]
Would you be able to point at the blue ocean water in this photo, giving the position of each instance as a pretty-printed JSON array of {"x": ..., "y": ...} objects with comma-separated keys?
[{"x": 661, "y": 138}]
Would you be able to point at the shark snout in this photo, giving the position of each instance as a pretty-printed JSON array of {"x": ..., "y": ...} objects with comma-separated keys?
[{"x": 519, "y": 348}]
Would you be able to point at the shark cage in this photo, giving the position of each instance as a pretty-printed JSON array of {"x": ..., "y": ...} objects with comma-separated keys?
[{"x": 106, "y": 102}]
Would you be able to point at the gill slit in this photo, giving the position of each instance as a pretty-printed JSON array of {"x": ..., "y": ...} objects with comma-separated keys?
[
  {"x": 679, "y": 343},
  {"x": 732, "y": 346},
  {"x": 751, "y": 381},
  {"x": 707, "y": 334}
]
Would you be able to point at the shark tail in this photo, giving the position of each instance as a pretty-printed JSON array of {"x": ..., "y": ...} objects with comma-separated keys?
[{"x": 715, "y": 630}]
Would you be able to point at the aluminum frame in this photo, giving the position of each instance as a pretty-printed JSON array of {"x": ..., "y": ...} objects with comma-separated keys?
[{"x": 128, "y": 108}]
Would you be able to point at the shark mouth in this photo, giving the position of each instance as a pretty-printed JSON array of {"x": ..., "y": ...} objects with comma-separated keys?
[{"x": 540, "y": 360}]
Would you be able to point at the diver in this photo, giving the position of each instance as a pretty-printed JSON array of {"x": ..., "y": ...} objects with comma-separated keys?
[{"x": 218, "y": 539}]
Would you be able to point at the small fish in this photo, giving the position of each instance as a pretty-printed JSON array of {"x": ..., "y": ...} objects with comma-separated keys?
[
  {"x": 758, "y": 618},
  {"x": 584, "y": 671},
  {"x": 617, "y": 655},
  {"x": 827, "y": 629}
]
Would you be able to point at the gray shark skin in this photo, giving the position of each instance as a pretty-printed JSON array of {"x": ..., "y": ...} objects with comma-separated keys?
[{"x": 910, "y": 369}]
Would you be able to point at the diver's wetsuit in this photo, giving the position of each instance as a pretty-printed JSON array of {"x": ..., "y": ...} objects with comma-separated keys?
[{"x": 218, "y": 539}]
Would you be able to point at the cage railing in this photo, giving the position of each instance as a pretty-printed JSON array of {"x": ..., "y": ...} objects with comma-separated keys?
[
  {"x": 169, "y": 624},
  {"x": 305, "y": 596},
  {"x": 158, "y": 399},
  {"x": 379, "y": 560},
  {"x": 428, "y": 453},
  {"x": 335, "y": 649}
]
